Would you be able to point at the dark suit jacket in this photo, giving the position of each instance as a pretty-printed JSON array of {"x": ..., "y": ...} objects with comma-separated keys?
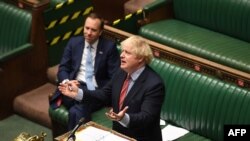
[
  {"x": 144, "y": 100},
  {"x": 107, "y": 61}
]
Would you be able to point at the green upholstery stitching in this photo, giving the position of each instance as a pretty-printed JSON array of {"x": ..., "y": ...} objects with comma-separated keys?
[
  {"x": 215, "y": 30},
  {"x": 200, "y": 103},
  {"x": 15, "y": 27}
]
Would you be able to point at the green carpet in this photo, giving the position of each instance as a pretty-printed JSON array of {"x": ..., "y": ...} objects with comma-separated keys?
[{"x": 12, "y": 126}]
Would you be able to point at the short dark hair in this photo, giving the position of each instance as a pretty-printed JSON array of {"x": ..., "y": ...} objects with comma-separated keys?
[{"x": 93, "y": 15}]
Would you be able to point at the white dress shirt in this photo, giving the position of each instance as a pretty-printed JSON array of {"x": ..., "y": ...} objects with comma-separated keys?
[{"x": 81, "y": 72}]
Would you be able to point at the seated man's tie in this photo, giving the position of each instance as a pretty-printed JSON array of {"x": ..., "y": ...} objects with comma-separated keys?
[{"x": 89, "y": 69}]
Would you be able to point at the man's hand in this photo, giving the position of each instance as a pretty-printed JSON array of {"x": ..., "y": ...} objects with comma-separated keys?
[
  {"x": 116, "y": 117},
  {"x": 69, "y": 88}
]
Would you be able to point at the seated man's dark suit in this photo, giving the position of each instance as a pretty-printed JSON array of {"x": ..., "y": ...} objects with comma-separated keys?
[
  {"x": 106, "y": 63},
  {"x": 144, "y": 100}
]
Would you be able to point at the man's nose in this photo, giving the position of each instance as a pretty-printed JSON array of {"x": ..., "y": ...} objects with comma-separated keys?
[
  {"x": 88, "y": 31},
  {"x": 121, "y": 55}
]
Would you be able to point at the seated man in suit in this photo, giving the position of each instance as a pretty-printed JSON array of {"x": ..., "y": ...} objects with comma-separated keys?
[
  {"x": 91, "y": 60},
  {"x": 135, "y": 93}
]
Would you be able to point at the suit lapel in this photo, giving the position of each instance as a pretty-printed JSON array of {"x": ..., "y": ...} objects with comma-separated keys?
[
  {"x": 99, "y": 53},
  {"x": 79, "y": 54},
  {"x": 136, "y": 87}
]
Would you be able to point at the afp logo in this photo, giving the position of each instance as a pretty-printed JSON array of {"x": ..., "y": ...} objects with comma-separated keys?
[{"x": 237, "y": 132}]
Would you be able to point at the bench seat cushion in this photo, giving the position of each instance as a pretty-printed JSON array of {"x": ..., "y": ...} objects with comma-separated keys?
[
  {"x": 199, "y": 41},
  {"x": 61, "y": 115},
  {"x": 192, "y": 137},
  {"x": 34, "y": 104},
  {"x": 100, "y": 118}
]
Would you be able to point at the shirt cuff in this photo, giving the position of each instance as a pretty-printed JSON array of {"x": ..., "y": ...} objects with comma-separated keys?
[
  {"x": 125, "y": 120},
  {"x": 79, "y": 95},
  {"x": 65, "y": 81}
]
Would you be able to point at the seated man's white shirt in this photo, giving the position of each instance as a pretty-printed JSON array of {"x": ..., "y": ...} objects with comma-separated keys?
[{"x": 81, "y": 72}]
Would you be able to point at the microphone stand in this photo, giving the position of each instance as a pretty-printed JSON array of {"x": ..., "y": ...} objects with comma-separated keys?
[{"x": 72, "y": 136}]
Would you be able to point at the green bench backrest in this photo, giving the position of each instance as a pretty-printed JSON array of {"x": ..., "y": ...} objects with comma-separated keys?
[
  {"x": 15, "y": 27},
  {"x": 200, "y": 103},
  {"x": 230, "y": 17}
]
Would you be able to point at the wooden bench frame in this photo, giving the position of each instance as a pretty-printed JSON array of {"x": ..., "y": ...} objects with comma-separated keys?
[{"x": 196, "y": 63}]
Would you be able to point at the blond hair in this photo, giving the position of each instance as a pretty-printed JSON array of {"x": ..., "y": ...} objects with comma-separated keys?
[{"x": 140, "y": 47}]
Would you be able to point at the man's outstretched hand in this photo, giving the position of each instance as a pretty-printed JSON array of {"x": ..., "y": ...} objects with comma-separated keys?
[{"x": 116, "y": 117}]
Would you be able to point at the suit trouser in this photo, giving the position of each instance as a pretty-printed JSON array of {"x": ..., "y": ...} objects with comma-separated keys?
[
  {"x": 83, "y": 109},
  {"x": 77, "y": 110}
]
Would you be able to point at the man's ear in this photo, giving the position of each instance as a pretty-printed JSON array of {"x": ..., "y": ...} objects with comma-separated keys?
[
  {"x": 100, "y": 33},
  {"x": 141, "y": 59}
]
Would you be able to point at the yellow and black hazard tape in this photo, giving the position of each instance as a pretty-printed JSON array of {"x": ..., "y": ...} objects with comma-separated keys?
[
  {"x": 68, "y": 17},
  {"x": 127, "y": 17},
  {"x": 60, "y": 5},
  {"x": 65, "y": 36}
]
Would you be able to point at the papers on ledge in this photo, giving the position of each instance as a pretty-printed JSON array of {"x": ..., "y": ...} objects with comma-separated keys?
[
  {"x": 171, "y": 132},
  {"x": 91, "y": 133},
  {"x": 95, "y": 134}
]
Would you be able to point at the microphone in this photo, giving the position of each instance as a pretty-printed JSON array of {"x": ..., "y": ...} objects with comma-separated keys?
[{"x": 71, "y": 136}]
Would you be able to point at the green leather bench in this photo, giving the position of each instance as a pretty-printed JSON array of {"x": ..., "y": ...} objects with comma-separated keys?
[
  {"x": 15, "y": 27},
  {"x": 202, "y": 104},
  {"x": 216, "y": 30}
]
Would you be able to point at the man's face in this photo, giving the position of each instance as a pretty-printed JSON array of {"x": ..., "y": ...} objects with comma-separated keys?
[
  {"x": 92, "y": 30},
  {"x": 129, "y": 61}
]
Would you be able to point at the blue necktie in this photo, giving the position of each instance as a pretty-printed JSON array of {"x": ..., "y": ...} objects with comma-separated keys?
[{"x": 89, "y": 70}]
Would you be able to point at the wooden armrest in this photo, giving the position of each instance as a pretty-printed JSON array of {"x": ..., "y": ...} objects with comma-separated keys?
[
  {"x": 158, "y": 10},
  {"x": 52, "y": 74}
]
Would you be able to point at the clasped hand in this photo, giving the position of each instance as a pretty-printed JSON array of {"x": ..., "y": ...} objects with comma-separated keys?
[{"x": 69, "y": 88}]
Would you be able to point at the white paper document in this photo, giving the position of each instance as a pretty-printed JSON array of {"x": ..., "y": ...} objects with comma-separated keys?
[
  {"x": 171, "y": 132},
  {"x": 162, "y": 122},
  {"x": 95, "y": 134}
]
